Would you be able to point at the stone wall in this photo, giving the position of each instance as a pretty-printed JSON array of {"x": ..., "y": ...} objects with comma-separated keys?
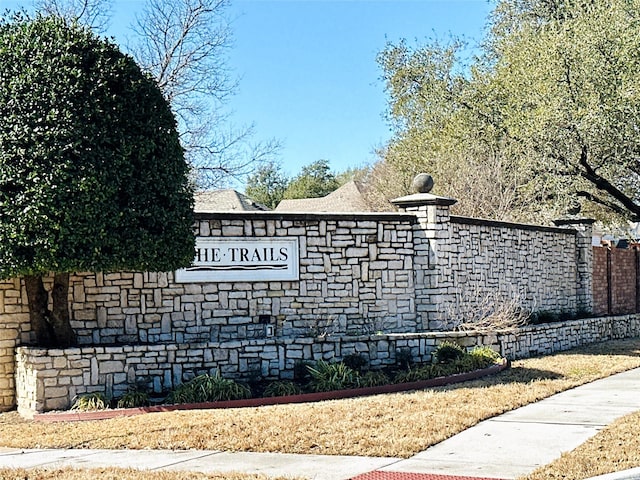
[
  {"x": 468, "y": 265},
  {"x": 50, "y": 379},
  {"x": 547, "y": 338},
  {"x": 499, "y": 263},
  {"x": 358, "y": 274},
  {"x": 14, "y": 331}
]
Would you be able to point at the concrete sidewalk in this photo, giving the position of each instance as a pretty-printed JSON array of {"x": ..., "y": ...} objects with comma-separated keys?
[
  {"x": 320, "y": 467},
  {"x": 504, "y": 447},
  {"x": 518, "y": 442}
]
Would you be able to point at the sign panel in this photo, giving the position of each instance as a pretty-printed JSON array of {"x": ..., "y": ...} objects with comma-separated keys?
[{"x": 225, "y": 259}]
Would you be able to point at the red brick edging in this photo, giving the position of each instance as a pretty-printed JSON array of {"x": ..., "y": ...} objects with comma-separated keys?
[
  {"x": 378, "y": 475},
  {"x": 75, "y": 416}
]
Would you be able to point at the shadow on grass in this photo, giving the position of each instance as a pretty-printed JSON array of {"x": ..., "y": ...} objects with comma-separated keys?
[{"x": 513, "y": 375}]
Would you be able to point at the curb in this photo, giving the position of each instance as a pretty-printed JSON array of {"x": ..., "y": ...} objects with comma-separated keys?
[{"x": 75, "y": 416}]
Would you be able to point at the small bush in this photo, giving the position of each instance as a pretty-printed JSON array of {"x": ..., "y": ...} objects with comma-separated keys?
[
  {"x": 407, "y": 376},
  {"x": 448, "y": 352},
  {"x": 543, "y": 316},
  {"x": 463, "y": 364},
  {"x": 134, "y": 398},
  {"x": 301, "y": 371},
  {"x": 404, "y": 359},
  {"x": 281, "y": 389},
  {"x": 355, "y": 361},
  {"x": 184, "y": 393},
  {"x": 90, "y": 401},
  {"x": 424, "y": 372},
  {"x": 483, "y": 357},
  {"x": 208, "y": 388},
  {"x": 374, "y": 379},
  {"x": 327, "y": 376}
]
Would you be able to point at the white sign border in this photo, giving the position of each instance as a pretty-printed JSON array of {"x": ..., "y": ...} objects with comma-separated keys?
[{"x": 292, "y": 273}]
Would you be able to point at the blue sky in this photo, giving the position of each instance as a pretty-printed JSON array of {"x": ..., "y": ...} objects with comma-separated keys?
[
  {"x": 309, "y": 75},
  {"x": 307, "y": 68}
]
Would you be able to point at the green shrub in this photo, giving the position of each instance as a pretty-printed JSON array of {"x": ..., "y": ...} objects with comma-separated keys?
[
  {"x": 483, "y": 357},
  {"x": 134, "y": 398},
  {"x": 327, "y": 376},
  {"x": 448, "y": 352},
  {"x": 87, "y": 402},
  {"x": 407, "y": 376},
  {"x": 184, "y": 393},
  {"x": 301, "y": 371},
  {"x": 462, "y": 364},
  {"x": 355, "y": 361},
  {"x": 544, "y": 316},
  {"x": 424, "y": 372},
  {"x": 374, "y": 379},
  {"x": 404, "y": 359},
  {"x": 208, "y": 388},
  {"x": 441, "y": 370},
  {"x": 282, "y": 389}
]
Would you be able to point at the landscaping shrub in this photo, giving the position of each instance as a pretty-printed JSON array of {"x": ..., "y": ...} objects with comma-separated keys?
[
  {"x": 208, "y": 388},
  {"x": 404, "y": 359},
  {"x": 543, "y": 316},
  {"x": 462, "y": 364},
  {"x": 479, "y": 357},
  {"x": 483, "y": 357},
  {"x": 546, "y": 316},
  {"x": 449, "y": 358},
  {"x": 327, "y": 376},
  {"x": 90, "y": 401},
  {"x": 407, "y": 376},
  {"x": 282, "y": 388},
  {"x": 448, "y": 352},
  {"x": 374, "y": 379},
  {"x": 134, "y": 398},
  {"x": 301, "y": 371},
  {"x": 355, "y": 361}
]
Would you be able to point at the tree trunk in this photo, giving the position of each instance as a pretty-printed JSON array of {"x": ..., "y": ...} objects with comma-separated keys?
[
  {"x": 60, "y": 321},
  {"x": 38, "y": 310},
  {"x": 52, "y": 328}
]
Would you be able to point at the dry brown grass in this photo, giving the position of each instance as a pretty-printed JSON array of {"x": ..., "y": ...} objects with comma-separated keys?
[
  {"x": 614, "y": 449},
  {"x": 119, "y": 474},
  {"x": 395, "y": 425}
]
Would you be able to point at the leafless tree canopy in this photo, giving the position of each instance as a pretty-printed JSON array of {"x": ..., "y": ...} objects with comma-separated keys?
[
  {"x": 184, "y": 45},
  {"x": 94, "y": 13}
]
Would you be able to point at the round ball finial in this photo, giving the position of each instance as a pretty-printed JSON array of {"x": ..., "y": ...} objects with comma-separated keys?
[{"x": 423, "y": 183}]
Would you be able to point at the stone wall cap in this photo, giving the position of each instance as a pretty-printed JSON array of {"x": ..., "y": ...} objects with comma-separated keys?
[
  {"x": 419, "y": 199},
  {"x": 304, "y": 216}
]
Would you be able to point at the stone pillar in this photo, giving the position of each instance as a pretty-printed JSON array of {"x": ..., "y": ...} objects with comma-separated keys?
[
  {"x": 434, "y": 288},
  {"x": 14, "y": 320},
  {"x": 584, "y": 260}
]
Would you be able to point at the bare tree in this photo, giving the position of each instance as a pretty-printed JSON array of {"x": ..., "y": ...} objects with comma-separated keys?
[
  {"x": 184, "y": 44},
  {"x": 94, "y": 13}
]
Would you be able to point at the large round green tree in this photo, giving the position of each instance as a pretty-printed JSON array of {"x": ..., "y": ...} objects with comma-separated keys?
[{"x": 92, "y": 173}]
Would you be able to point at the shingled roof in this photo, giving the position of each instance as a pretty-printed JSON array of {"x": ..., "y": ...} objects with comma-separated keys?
[
  {"x": 225, "y": 201},
  {"x": 347, "y": 198}
]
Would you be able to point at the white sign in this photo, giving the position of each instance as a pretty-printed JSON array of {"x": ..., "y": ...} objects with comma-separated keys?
[{"x": 242, "y": 260}]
